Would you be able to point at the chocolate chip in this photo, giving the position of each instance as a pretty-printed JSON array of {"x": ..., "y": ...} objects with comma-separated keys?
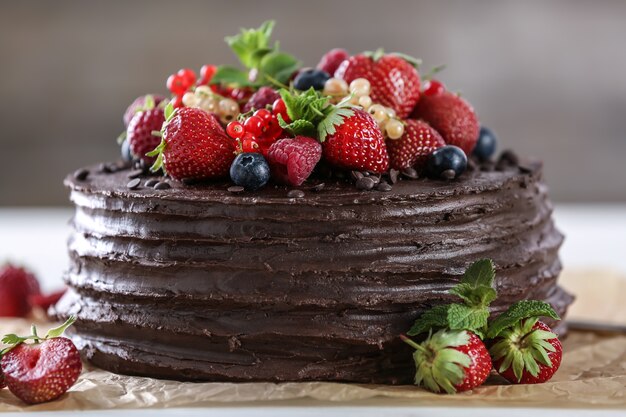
[
  {"x": 409, "y": 173},
  {"x": 508, "y": 157},
  {"x": 375, "y": 178},
  {"x": 295, "y": 194},
  {"x": 356, "y": 175},
  {"x": 235, "y": 189},
  {"x": 383, "y": 186},
  {"x": 81, "y": 174},
  {"x": 135, "y": 173},
  {"x": 161, "y": 185},
  {"x": 151, "y": 182},
  {"x": 318, "y": 187},
  {"x": 105, "y": 168},
  {"x": 133, "y": 184},
  {"x": 393, "y": 175},
  {"x": 525, "y": 168},
  {"x": 448, "y": 174},
  {"x": 365, "y": 183}
]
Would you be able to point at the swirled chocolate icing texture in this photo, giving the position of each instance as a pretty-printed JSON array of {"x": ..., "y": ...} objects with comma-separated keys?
[{"x": 196, "y": 283}]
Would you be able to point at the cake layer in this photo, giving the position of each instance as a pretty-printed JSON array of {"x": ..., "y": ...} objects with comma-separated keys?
[{"x": 195, "y": 282}]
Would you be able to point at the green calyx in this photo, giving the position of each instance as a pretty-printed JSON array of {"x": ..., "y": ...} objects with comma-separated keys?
[
  {"x": 252, "y": 47},
  {"x": 169, "y": 114},
  {"x": 14, "y": 340},
  {"x": 312, "y": 114},
  {"x": 380, "y": 52},
  {"x": 439, "y": 367},
  {"x": 523, "y": 348}
]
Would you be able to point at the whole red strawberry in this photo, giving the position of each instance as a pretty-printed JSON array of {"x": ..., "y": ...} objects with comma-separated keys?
[
  {"x": 41, "y": 371},
  {"x": 451, "y": 116},
  {"x": 265, "y": 96},
  {"x": 332, "y": 59},
  {"x": 527, "y": 353},
  {"x": 139, "y": 132},
  {"x": 292, "y": 160},
  {"x": 357, "y": 143},
  {"x": 16, "y": 287},
  {"x": 194, "y": 146},
  {"x": 394, "y": 82},
  {"x": 412, "y": 149},
  {"x": 450, "y": 360},
  {"x": 139, "y": 104},
  {"x": 46, "y": 301}
]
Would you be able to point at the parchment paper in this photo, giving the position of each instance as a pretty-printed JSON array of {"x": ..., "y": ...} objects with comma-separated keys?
[{"x": 592, "y": 374}]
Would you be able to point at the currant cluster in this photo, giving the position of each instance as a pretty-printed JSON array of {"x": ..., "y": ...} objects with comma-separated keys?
[{"x": 256, "y": 133}]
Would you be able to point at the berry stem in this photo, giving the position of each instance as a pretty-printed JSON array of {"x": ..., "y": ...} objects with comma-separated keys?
[
  {"x": 411, "y": 343},
  {"x": 275, "y": 82}
]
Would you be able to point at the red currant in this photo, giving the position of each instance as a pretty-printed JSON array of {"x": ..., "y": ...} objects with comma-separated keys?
[
  {"x": 176, "y": 84},
  {"x": 249, "y": 145},
  {"x": 433, "y": 88},
  {"x": 254, "y": 125},
  {"x": 264, "y": 114},
  {"x": 235, "y": 130},
  {"x": 274, "y": 131},
  {"x": 206, "y": 73},
  {"x": 178, "y": 102},
  {"x": 188, "y": 77},
  {"x": 279, "y": 108}
]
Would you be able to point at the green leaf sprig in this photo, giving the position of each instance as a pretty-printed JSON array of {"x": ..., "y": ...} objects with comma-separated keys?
[{"x": 13, "y": 340}]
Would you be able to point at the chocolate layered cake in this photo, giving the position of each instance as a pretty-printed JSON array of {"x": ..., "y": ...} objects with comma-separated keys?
[{"x": 196, "y": 282}]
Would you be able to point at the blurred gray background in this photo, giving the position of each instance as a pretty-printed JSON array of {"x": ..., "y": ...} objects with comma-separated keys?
[{"x": 548, "y": 76}]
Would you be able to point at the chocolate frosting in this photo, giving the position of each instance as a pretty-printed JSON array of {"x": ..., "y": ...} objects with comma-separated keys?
[{"x": 198, "y": 283}]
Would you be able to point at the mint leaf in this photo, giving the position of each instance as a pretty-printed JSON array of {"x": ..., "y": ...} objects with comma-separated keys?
[
  {"x": 278, "y": 66},
  {"x": 480, "y": 273},
  {"x": 519, "y": 311},
  {"x": 299, "y": 127},
  {"x": 476, "y": 286},
  {"x": 231, "y": 75},
  {"x": 433, "y": 319},
  {"x": 249, "y": 42},
  {"x": 462, "y": 317}
]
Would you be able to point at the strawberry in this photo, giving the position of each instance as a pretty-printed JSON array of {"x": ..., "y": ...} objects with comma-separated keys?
[
  {"x": 450, "y": 360},
  {"x": 265, "y": 96},
  {"x": 139, "y": 104},
  {"x": 194, "y": 146},
  {"x": 41, "y": 371},
  {"x": 2, "y": 382},
  {"x": 394, "y": 81},
  {"x": 412, "y": 149},
  {"x": 356, "y": 143},
  {"x": 452, "y": 117},
  {"x": 139, "y": 132},
  {"x": 292, "y": 160},
  {"x": 16, "y": 286},
  {"x": 527, "y": 353},
  {"x": 332, "y": 59},
  {"x": 46, "y": 301}
]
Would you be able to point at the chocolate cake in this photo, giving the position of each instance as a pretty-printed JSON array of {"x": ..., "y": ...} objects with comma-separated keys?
[{"x": 196, "y": 282}]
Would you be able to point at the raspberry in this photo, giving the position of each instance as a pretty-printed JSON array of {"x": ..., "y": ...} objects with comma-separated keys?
[
  {"x": 263, "y": 97},
  {"x": 331, "y": 60},
  {"x": 292, "y": 160}
]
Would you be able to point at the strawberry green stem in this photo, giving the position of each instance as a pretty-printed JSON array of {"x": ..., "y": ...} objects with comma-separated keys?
[{"x": 411, "y": 343}]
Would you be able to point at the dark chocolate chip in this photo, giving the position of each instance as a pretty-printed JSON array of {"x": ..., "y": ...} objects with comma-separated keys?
[
  {"x": 448, "y": 174},
  {"x": 383, "y": 186},
  {"x": 509, "y": 157},
  {"x": 375, "y": 178},
  {"x": 393, "y": 175},
  {"x": 151, "y": 182},
  {"x": 133, "y": 184},
  {"x": 525, "y": 168},
  {"x": 295, "y": 194},
  {"x": 318, "y": 187},
  {"x": 356, "y": 175},
  {"x": 365, "y": 183},
  {"x": 135, "y": 173},
  {"x": 105, "y": 168},
  {"x": 410, "y": 173},
  {"x": 235, "y": 189},
  {"x": 161, "y": 185},
  {"x": 81, "y": 174}
]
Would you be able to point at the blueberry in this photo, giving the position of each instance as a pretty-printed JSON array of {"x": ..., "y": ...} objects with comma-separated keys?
[
  {"x": 250, "y": 170},
  {"x": 447, "y": 162},
  {"x": 310, "y": 78},
  {"x": 486, "y": 144},
  {"x": 126, "y": 154}
]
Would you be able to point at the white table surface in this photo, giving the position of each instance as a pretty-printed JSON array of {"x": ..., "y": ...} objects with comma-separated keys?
[{"x": 595, "y": 237}]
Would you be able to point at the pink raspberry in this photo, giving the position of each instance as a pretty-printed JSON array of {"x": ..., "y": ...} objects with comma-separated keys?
[
  {"x": 263, "y": 97},
  {"x": 138, "y": 105},
  {"x": 331, "y": 60},
  {"x": 292, "y": 160}
]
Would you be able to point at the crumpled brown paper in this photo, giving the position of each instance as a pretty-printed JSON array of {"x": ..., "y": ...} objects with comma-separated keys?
[{"x": 592, "y": 374}]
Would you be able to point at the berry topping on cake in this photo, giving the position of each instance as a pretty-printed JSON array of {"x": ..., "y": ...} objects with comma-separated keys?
[
  {"x": 447, "y": 162},
  {"x": 139, "y": 104},
  {"x": 193, "y": 146},
  {"x": 486, "y": 144},
  {"x": 250, "y": 170},
  {"x": 450, "y": 361},
  {"x": 433, "y": 88},
  {"x": 17, "y": 285},
  {"x": 292, "y": 160},
  {"x": 332, "y": 59},
  {"x": 452, "y": 117},
  {"x": 41, "y": 371},
  {"x": 310, "y": 78},
  {"x": 394, "y": 80},
  {"x": 139, "y": 133},
  {"x": 418, "y": 141},
  {"x": 265, "y": 96}
]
